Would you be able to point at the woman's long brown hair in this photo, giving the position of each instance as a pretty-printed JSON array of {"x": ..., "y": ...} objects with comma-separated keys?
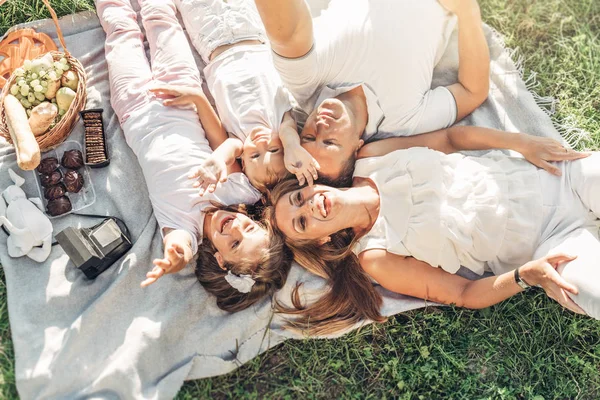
[{"x": 351, "y": 299}]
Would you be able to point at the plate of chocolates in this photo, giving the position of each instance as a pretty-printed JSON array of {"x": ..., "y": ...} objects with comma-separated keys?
[{"x": 64, "y": 180}]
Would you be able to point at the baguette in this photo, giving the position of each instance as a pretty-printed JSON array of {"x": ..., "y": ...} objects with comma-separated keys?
[{"x": 27, "y": 148}]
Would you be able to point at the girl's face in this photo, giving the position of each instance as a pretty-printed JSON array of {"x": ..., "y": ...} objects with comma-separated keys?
[
  {"x": 262, "y": 157},
  {"x": 237, "y": 238},
  {"x": 311, "y": 213}
]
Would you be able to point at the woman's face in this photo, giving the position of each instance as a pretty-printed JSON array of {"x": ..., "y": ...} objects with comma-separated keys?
[
  {"x": 310, "y": 213},
  {"x": 236, "y": 237}
]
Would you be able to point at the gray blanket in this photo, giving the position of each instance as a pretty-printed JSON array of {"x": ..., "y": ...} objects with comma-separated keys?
[{"x": 109, "y": 338}]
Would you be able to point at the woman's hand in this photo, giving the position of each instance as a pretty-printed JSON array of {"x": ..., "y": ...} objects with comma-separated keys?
[
  {"x": 178, "y": 96},
  {"x": 212, "y": 171},
  {"x": 178, "y": 253},
  {"x": 543, "y": 273},
  {"x": 540, "y": 151},
  {"x": 300, "y": 163}
]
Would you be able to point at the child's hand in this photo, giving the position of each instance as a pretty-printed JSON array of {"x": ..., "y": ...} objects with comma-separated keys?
[
  {"x": 212, "y": 171},
  {"x": 177, "y": 96},
  {"x": 300, "y": 163},
  {"x": 178, "y": 254}
]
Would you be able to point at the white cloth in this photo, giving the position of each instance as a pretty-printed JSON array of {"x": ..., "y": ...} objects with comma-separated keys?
[
  {"x": 390, "y": 45},
  {"x": 452, "y": 210},
  {"x": 158, "y": 135},
  {"x": 247, "y": 89}
]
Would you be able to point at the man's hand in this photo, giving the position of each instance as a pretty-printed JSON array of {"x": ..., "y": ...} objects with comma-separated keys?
[
  {"x": 540, "y": 151},
  {"x": 543, "y": 272},
  {"x": 212, "y": 171},
  {"x": 300, "y": 163},
  {"x": 178, "y": 96},
  {"x": 178, "y": 253}
]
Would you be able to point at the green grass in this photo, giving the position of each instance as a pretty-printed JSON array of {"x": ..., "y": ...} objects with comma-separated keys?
[{"x": 527, "y": 347}]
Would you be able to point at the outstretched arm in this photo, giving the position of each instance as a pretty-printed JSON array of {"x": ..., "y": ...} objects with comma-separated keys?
[
  {"x": 289, "y": 26},
  {"x": 177, "y": 254},
  {"x": 412, "y": 277},
  {"x": 474, "y": 57},
  {"x": 537, "y": 150},
  {"x": 215, "y": 168}
]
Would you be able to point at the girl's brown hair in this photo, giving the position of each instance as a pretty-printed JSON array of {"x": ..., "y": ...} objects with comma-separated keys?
[
  {"x": 269, "y": 273},
  {"x": 351, "y": 298}
]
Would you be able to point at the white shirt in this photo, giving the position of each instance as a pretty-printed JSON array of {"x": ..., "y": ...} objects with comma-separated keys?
[
  {"x": 247, "y": 89},
  {"x": 392, "y": 46},
  {"x": 168, "y": 142}
]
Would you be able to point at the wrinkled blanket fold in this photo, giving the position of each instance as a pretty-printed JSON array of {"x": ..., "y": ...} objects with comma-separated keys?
[{"x": 111, "y": 339}]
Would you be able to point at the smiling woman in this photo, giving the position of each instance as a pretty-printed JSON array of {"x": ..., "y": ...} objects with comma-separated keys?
[{"x": 413, "y": 209}]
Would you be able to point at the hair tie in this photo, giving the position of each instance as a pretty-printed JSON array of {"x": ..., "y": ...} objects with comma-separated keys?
[{"x": 243, "y": 283}]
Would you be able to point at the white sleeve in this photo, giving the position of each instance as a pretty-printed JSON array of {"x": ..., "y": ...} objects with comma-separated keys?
[{"x": 438, "y": 111}]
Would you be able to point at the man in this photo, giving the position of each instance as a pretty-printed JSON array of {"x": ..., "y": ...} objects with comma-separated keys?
[{"x": 362, "y": 70}]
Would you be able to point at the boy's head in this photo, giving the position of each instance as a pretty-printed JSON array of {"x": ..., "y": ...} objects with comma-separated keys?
[{"x": 262, "y": 159}]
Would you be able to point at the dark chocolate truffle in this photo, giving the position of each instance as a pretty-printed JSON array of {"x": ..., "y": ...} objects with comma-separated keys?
[
  {"x": 47, "y": 166},
  {"x": 54, "y": 192},
  {"x": 59, "y": 206},
  {"x": 72, "y": 159},
  {"x": 73, "y": 181},
  {"x": 51, "y": 179}
]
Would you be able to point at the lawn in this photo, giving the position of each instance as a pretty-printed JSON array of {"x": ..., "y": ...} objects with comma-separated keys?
[{"x": 527, "y": 347}]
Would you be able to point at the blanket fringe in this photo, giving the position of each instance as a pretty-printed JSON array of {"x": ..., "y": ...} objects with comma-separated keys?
[{"x": 573, "y": 135}]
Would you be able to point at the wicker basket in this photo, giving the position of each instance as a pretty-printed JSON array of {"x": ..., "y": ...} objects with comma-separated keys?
[{"x": 60, "y": 131}]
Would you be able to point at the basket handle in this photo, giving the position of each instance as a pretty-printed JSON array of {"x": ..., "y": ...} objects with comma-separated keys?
[{"x": 58, "y": 30}]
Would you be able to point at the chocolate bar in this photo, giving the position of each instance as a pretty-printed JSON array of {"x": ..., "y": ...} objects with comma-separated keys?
[{"x": 95, "y": 149}]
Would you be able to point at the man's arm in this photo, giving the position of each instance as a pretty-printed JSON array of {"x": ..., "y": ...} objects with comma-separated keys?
[
  {"x": 537, "y": 150},
  {"x": 289, "y": 26},
  {"x": 474, "y": 57}
]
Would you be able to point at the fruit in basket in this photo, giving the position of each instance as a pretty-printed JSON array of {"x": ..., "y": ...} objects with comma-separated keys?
[
  {"x": 73, "y": 181},
  {"x": 41, "y": 117},
  {"x": 27, "y": 148},
  {"x": 39, "y": 64},
  {"x": 51, "y": 89},
  {"x": 72, "y": 159},
  {"x": 64, "y": 98},
  {"x": 69, "y": 79}
]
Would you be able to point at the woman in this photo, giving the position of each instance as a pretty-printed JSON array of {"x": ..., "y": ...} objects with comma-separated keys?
[
  {"x": 169, "y": 142},
  {"x": 409, "y": 210}
]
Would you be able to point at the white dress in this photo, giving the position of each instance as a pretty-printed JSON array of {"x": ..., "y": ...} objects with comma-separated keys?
[{"x": 484, "y": 213}]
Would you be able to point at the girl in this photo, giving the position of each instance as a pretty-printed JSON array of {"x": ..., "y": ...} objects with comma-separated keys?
[
  {"x": 411, "y": 209},
  {"x": 169, "y": 142},
  {"x": 252, "y": 103}
]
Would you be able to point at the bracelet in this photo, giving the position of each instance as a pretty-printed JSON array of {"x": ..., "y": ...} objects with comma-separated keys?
[{"x": 520, "y": 281}]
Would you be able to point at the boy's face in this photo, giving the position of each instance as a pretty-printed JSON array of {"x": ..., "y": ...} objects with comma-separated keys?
[{"x": 262, "y": 158}]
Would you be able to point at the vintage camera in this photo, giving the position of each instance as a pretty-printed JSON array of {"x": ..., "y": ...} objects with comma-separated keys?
[{"x": 94, "y": 249}]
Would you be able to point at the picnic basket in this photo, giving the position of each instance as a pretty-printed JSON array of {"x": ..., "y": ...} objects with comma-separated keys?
[{"x": 63, "y": 128}]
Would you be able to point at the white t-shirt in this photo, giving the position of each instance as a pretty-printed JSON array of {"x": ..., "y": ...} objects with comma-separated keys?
[
  {"x": 247, "y": 89},
  {"x": 168, "y": 142},
  {"x": 392, "y": 46}
]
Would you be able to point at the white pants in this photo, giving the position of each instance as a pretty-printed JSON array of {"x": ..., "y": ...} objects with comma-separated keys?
[
  {"x": 572, "y": 210},
  {"x": 215, "y": 23}
]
